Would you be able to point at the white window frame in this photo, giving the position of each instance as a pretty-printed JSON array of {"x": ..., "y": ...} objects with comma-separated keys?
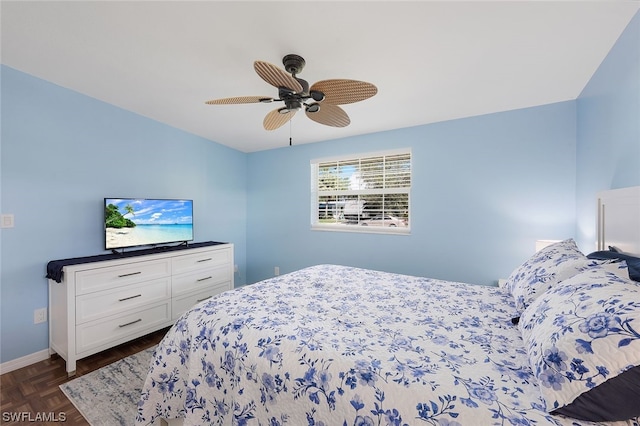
[{"x": 316, "y": 193}]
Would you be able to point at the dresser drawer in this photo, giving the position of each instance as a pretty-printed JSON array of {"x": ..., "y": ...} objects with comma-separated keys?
[
  {"x": 180, "y": 305},
  {"x": 109, "y": 277},
  {"x": 106, "y": 331},
  {"x": 193, "y": 262},
  {"x": 200, "y": 280},
  {"x": 96, "y": 305}
]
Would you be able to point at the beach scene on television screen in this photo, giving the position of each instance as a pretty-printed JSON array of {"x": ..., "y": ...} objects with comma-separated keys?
[{"x": 136, "y": 222}]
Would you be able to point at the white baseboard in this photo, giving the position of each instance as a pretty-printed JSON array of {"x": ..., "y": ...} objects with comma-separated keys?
[{"x": 24, "y": 361}]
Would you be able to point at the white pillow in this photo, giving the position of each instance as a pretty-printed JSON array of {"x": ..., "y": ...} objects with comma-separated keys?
[
  {"x": 545, "y": 268},
  {"x": 619, "y": 268}
]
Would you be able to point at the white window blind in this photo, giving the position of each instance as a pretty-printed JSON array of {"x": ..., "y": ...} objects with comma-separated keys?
[{"x": 368, "y": 193}]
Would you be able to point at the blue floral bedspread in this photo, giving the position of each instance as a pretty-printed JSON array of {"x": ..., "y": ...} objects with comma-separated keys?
[{"x": 332, "y": 346}]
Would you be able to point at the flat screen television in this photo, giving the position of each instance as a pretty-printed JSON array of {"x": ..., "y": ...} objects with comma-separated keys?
[{"x": 134, "y": 222}]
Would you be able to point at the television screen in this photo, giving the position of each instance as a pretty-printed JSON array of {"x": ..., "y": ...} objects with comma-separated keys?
[{"x": 131, "y": 222}]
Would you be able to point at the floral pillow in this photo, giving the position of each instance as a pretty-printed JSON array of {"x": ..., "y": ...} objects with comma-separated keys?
[
  {"x": 546, "y": 267},
  {"x": 619, "y": 268},
  {"x": 583, "y": 342}
]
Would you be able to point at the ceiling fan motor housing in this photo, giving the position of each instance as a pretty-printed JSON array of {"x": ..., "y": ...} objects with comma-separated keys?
[{"x": 291, "y": 105}]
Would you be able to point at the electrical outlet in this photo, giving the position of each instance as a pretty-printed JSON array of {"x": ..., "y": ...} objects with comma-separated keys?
[
  {"x": 40, "y": 315},
  {"x": 276, "y": 270},
  {"x": 235, "y": 268}
]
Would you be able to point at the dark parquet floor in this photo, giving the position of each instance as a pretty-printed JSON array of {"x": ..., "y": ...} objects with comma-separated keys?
[{"x": 32, "y": 393}]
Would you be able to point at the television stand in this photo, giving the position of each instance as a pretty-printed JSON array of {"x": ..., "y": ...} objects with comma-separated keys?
[{"x": 99, "y": 302}]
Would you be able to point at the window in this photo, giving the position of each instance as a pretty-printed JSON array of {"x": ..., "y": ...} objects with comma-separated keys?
[{"x": 370, "y": 193}]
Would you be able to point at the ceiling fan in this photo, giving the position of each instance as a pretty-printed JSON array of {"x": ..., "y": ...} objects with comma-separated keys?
[{"x": 320, "y": 101}]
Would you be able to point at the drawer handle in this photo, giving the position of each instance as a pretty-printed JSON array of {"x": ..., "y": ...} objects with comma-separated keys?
[
  {"x": 130, "y": 297},
  {"x": 200, "y": 300},
  {"x": 130, "y": 323},
  {"x": 204, "y": 279},
  {"x": 204, "y": 260},
  {"x": 128, "y": 275}
]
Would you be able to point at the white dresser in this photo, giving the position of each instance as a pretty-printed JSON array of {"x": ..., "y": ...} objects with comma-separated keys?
[{"x": 103, "y": 303}]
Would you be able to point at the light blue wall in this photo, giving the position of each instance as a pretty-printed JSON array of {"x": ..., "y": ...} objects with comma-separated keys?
[
  {"x": 483, "y": 190},
  {"x": 62, "y": 152},
  {"x": 608, "y": 129}
]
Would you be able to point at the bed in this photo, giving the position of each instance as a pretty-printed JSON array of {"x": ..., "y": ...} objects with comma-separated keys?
[{"x": 336, "y": 345}]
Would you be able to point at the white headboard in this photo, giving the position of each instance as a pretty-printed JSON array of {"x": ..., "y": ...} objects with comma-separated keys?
[{"x": 619, "y": 219}]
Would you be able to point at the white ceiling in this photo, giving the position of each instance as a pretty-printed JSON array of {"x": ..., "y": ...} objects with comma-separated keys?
[{"x": 431, "y": 61}]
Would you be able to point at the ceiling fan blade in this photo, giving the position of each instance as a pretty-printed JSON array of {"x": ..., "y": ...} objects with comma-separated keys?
[
  {"x": 275, "y": 119},
  {"x": 240, "y": 100},
  {"x": 276, "y": 76},
  {"x": 330, "y": 115},
  {"x": 341, "y": 91}
]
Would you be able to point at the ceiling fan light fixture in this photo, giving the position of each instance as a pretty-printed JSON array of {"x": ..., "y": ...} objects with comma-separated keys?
[
  {"x": 314, "y": 107},
  {"x": 317, "y": 95},
  {"x": 284, "y": 110}
]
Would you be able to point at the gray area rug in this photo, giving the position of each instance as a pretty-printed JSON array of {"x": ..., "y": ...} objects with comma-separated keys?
[{"x": 109, "y": 396}]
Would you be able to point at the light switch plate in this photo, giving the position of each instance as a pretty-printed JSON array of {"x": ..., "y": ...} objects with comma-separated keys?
[{"x": 7, "y": 221}]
